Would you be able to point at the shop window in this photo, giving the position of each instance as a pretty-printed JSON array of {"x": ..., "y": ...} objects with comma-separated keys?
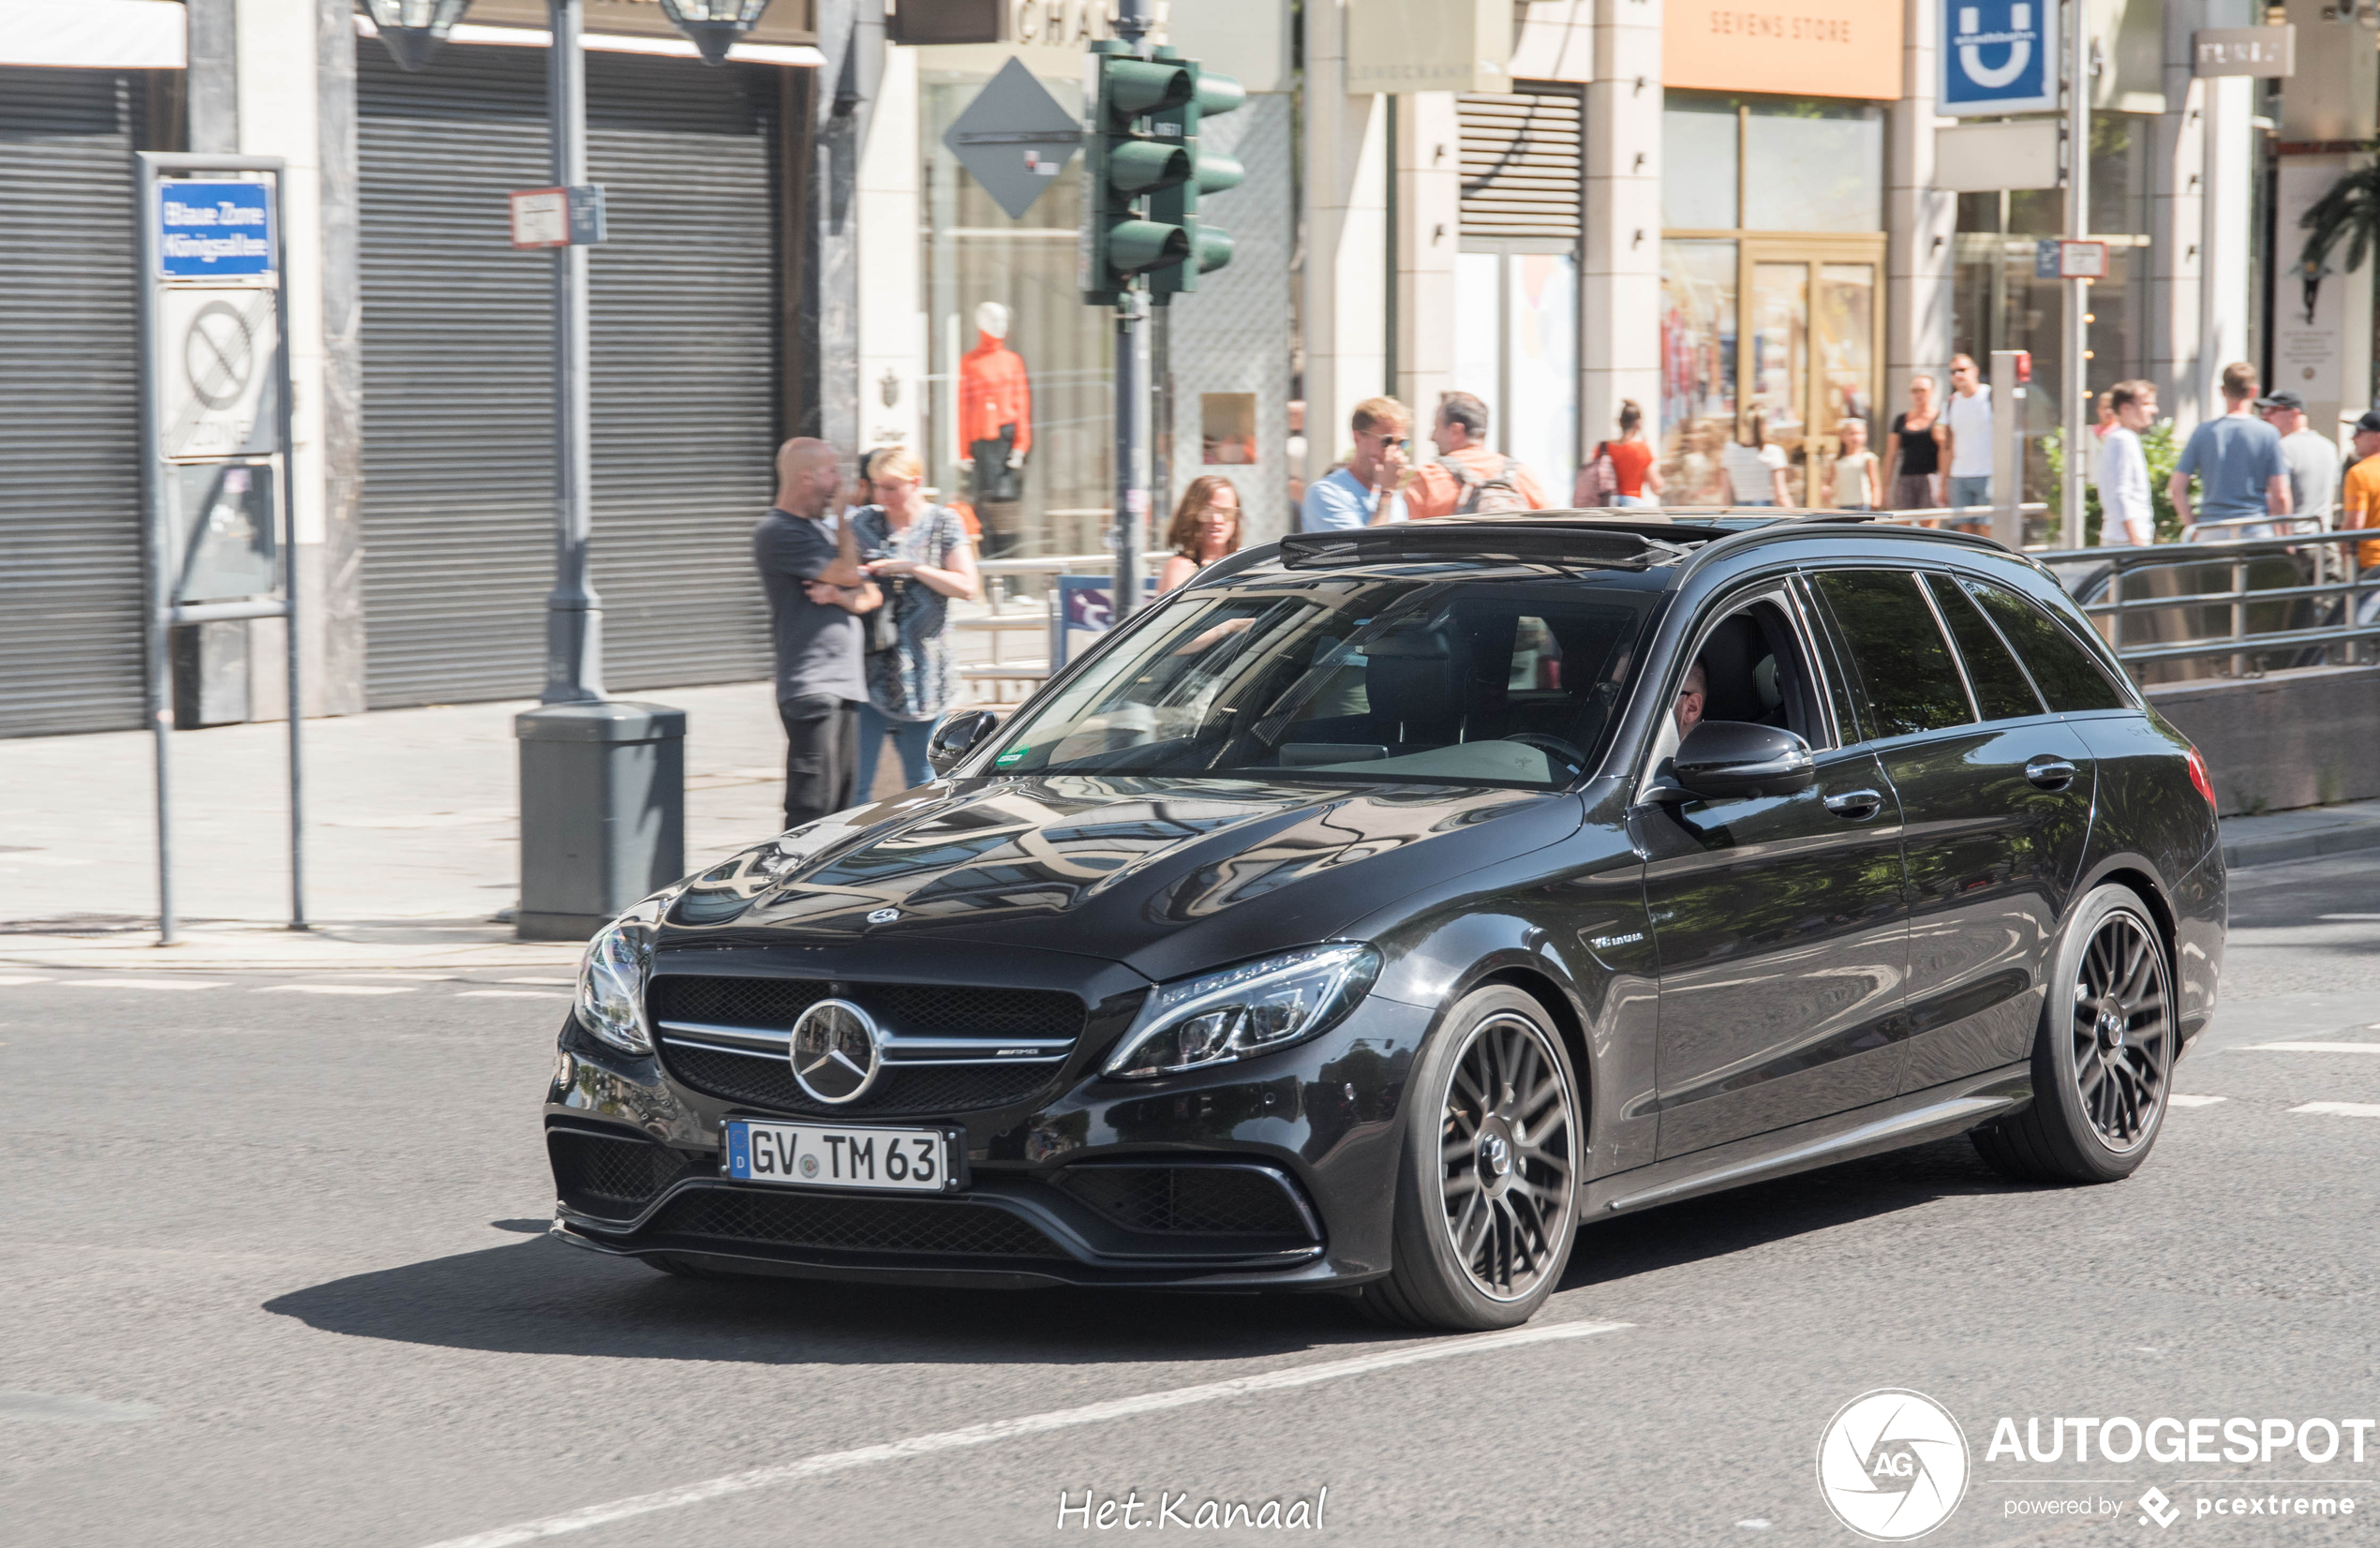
[
  {"x": 1226, "y": 429},
  {"x": 1698, "y": 366},
  {"x": 1021, "y": 394},
  {"x": 1734, "y": 162},
  {"x": 1516, "y": 348}
]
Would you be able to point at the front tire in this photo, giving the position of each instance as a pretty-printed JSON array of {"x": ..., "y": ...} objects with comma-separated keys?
[
  {"x": 2102, "y": 1061},
  {"x": 1487, "y": 1193}
]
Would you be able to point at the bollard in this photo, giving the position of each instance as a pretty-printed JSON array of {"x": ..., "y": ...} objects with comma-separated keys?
[{"x": 602, "y": 812}]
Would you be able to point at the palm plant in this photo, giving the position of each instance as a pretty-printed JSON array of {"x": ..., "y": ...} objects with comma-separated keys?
[{"x": 2349, "y": 213}]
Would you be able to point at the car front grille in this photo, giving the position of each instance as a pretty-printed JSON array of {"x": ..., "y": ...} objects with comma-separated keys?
[
  {"x": 766, "y": 1080},
  {"x": 1200, "y": 1200},
  {"x": 611, "y": 1178},
  {"x": 925, "y": 1226},
  {"x": 947, "y": 1048}
]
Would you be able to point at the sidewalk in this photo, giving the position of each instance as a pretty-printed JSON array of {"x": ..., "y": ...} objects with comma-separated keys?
[
  {"x": 2299, "y": 835},
  {"x": 412, "y": 837}
]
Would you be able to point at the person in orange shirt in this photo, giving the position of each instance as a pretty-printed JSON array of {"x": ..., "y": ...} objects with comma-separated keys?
[
  {"x": 1470, "y": 477},
  {"x": 2359, "y": 503}
]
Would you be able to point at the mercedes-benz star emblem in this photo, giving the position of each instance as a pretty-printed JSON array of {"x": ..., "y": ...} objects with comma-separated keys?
[
  {"x": 835, "y": 1051},
  {"x": 882, "y": 915}
]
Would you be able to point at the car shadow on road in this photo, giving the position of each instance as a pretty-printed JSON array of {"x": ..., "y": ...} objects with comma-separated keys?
[{"x": 541, "y": 1296}]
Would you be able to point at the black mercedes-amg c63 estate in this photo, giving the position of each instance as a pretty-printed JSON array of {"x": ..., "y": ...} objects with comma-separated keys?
[{"x": 1384, "y": 908}]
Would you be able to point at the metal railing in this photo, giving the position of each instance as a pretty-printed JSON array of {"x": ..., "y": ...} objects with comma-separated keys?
[
  {"x": 1027, "y": 615},
  {"x": 2300, "y": 595}
]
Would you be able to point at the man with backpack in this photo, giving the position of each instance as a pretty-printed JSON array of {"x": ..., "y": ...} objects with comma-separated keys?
[{"x": 1468, "y": 477}]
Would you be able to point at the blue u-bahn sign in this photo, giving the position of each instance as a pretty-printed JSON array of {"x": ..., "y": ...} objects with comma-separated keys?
[{"x": 1999, "y": 56}]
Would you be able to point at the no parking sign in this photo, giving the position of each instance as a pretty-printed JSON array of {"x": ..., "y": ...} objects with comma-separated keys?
[{"x": 1999, "y": 56}]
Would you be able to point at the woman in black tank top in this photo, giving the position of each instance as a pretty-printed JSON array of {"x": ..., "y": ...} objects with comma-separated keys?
[{"x": 1911, "y": 470}]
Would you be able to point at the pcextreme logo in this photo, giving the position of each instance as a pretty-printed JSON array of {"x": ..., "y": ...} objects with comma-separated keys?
[{"x": 1892, "y": 1464}]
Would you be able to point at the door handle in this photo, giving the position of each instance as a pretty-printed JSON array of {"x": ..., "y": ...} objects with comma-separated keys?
[
  {"x": 2050, "y": 773},
  {"x": 1857, "y": 805}
]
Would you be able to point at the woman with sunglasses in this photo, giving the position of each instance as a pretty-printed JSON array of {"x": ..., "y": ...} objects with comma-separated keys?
[{"x": 1206, "y": 528}]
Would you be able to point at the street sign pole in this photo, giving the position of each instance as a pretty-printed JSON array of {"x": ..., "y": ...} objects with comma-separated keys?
[
  {"x": 574, "y": 613},
  {"x": 2077, "y": 387},
  {"x": 207, "y": 449}
]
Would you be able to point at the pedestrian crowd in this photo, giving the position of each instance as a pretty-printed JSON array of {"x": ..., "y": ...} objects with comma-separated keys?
[{"x": 860, "y": 578}]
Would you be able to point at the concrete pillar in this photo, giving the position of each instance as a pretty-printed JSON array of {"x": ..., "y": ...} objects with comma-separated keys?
[
  {"x": 2227, "y": 216},
  {"x": 842, "y": 100},
  {"x": 335, "y": 581},
  {"x": 892, "y": 362},
  {"x": 1429, "y": 203},
  {"x": 2177, "y": 228},
  {"x": 1346, "y": 275},
  {"x": 1919, "y": 222},
  {"x": 1620, "y": 266}
]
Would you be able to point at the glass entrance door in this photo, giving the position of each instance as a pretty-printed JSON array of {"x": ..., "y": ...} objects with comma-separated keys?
[{"x": 1813, "y": 314}]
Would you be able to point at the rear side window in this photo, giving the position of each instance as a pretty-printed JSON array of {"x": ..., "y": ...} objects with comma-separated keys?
[
  {"x": 1904, "y": 666},
  {"x": 2001, "y": 690},
  {"x": 2066, "y": 672}
]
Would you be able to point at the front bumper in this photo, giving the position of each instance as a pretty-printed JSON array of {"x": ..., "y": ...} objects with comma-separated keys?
[{"x": 1277, "y": 1172}]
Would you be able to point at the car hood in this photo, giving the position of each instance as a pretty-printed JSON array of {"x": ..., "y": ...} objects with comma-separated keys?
[{"x": 1117, "y": 867}]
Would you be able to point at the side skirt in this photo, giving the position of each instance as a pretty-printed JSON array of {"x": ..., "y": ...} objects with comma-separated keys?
[{"x": 1937, "y": 1112}]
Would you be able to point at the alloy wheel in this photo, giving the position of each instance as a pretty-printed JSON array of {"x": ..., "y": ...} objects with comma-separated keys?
[
  {"x": 1508, "y": 1157},
  {"x": 2122, "y": 1032}
]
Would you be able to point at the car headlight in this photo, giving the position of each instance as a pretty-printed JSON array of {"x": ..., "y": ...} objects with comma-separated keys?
[
  {"x": 611, "y": 982},
  {"x": 1242, "y": 1011}
]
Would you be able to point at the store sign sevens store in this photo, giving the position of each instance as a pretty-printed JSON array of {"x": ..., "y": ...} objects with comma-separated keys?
[{"x": 1798, "y": 48}]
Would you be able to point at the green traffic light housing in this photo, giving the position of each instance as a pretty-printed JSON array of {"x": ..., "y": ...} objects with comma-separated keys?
[
  {"x": 1144, "y": 174},
  {"x": 1208, "y": 246}
]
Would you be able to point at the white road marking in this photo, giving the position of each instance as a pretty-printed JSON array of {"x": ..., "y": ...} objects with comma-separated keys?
[
  {"x": 69, "y": 1409},
  {"x": 1009, "y": 1429},
  {"x": 336, "y": 988},
  {"x": 13, "y": 982},
  {"x": 143, "y": 983},
  {"x": 2342, "y": 1109},
  {"x": 2178, "y": 1100},
  {"x": 566, "y": 983},
  {"x": 508, "y": 994},
  {"x": 2312, "y": 1047}
]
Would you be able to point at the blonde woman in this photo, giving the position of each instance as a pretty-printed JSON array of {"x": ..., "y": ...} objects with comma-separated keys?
[
  {"x": 921, "y": 557},
  {"x": 1206, "y": 528}
]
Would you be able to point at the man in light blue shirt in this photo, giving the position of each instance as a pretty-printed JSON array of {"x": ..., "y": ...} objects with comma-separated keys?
[
  {"x": 2243, "y": 477},
  {"x": 1363, "y": 492}
]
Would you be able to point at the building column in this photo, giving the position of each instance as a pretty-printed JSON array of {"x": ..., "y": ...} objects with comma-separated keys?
[
  {"x": 1620, "y": 266},
  {"x": 842, "y": 101},
  {"x": 2177, "y": 229},
  {"x": 1919, "y": 222},
  {"x": 892, "y": 330},
  {"x": 2228, "y": 217},
  {"x": 1345, "y": 269},
  {"x": 1429, "y": 211}
]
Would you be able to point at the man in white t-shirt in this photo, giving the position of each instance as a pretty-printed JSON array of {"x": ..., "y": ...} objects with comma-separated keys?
[
  {"x": 2127, "y": 517},
  {"x": 1967, "y": 418},
  {"x": 2313, "y": 458}
]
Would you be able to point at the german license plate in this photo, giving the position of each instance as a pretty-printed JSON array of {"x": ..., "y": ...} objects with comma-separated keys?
[{"x": 820, "y": 1155}]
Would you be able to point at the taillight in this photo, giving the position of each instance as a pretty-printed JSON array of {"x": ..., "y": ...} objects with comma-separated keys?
[{"x": 2198, "y": 777}]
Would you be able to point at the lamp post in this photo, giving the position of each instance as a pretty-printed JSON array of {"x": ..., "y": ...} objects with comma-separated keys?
[{"x": 602, "y": 781}]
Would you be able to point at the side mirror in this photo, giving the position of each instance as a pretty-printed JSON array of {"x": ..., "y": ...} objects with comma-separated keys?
[
  {"x": 957, "y": 736},
  {"x": 1722, "y": 758}
]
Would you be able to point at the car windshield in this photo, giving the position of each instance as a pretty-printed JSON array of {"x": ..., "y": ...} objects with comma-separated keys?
[{"x": 1468, "y": 682}]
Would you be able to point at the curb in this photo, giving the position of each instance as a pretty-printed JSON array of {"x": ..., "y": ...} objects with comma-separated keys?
[{"x": 2342, "y": 839}]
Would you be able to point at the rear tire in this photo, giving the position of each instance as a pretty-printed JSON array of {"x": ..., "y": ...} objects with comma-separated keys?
[
  {"x": 2103, "y": 1060},
  {"x": 1487, "y": 1192}
]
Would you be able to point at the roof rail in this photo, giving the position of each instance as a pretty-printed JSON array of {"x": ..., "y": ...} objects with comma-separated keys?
[
  {"x": 1512, "y": 541},
  {"x": 1847, "y": 524}
]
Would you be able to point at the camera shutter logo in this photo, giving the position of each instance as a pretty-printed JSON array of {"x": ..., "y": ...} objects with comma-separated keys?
[
  {"x": 836, "y": 1053},
  {"x": 1892, "y": 1464}
]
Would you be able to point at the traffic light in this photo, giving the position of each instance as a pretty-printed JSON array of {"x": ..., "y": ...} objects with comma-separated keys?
[
  {"x": 1209, "y": 246},
  {"x": 1144, "y": 174}
]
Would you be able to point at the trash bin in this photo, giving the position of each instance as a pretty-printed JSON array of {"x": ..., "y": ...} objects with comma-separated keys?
[{"x": 602, "y": 812}]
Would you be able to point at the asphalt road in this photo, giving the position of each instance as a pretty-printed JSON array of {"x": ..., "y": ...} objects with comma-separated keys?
[{"x": 274, "y": 1275}]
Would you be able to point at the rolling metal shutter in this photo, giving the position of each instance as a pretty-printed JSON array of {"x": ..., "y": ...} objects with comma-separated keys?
[
  {"x": 70, "y": 405},
  {"x": 1522, "y": 164},
  {"x": 458, "y": 407}
]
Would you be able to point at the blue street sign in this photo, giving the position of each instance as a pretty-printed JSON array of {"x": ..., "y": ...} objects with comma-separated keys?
[
  {"x": 213, "y": 231},
  {"x": 1999, "y": 56}
]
